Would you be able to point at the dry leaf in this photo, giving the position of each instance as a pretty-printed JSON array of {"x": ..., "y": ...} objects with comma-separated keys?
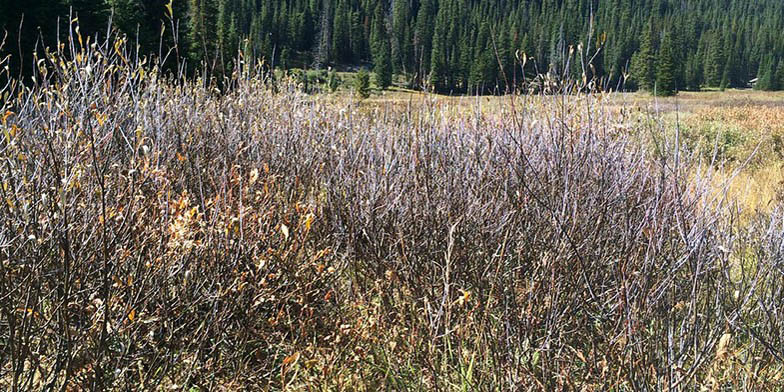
[
  {"x": 285, "y": 230},
  {"x": 721, "y": 348},
  {"x": 291, "y": 359},
  {"x": 308, "y": 221}
]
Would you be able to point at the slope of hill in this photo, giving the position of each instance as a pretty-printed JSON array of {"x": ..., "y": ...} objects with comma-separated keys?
[{"x": 451, "y": 45}]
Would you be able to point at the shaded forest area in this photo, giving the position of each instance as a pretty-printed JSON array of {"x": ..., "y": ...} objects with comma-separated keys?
[{"x": 451, "y": 46}]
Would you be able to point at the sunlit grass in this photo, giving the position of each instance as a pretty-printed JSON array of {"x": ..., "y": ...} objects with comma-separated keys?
[{"x": 159, "y": 233}]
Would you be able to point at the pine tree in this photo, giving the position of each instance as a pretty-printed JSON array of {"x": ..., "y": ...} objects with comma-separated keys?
[
  {"x": 358, "y": 39},
  {"x": 341, "y": 32},
  {"x": 643, "y": 67},
  {"x": 715, "y": 43},
  {"x": 383, "y": 67},
  {"x": 203, "y": 25},
  {"x": 378, "y": 32},
  {"x": 714, "y": 63},
  {"x": 438, "y": 62},
  {"x": 423, "y": 36},
  {"x": 779, "y": 76},
  {"x": 666, "y": 82},
  {"x": 380, "y": 48},
  {"x": 362, "y": 83},
  {"x": 399, "y": 46}
]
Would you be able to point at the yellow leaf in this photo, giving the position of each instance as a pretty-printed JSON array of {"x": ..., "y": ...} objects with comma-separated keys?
[
  {"x": 310, "y": 363},
  {"x": 170, "y": 9},
  {"x": 465, "y": 297},
  {"x": 285, "y": 230},
  {"x": 132, "y": 315},
  {"x": 308, "y": 221}
]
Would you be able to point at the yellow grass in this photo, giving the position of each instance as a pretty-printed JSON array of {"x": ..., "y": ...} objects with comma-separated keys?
[{"x": 754, "y": 118}]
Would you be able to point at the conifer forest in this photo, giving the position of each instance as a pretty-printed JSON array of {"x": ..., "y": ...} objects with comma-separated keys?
[{"x": 450, "y": 46}]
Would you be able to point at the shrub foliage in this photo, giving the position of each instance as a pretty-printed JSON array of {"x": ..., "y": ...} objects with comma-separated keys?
[{"x": 157, "y": 233}]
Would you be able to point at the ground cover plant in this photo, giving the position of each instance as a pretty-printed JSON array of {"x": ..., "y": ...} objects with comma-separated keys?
[{"x": 158, "y": 233}]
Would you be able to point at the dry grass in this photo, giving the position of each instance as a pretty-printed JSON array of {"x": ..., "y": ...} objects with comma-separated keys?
[
  {"x": 744, "y": 129},
  {"x": 159, "y": 234}
]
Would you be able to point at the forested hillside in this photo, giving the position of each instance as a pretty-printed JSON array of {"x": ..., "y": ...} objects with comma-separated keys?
[{"x": 450, "y": 45}]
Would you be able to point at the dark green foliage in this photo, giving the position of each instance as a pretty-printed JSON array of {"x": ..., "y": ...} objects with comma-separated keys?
[
  {"x": 383, "y": 67},
  {"x": 381, "y": 49},
  {"x": 770, "y": 72},
  {"x": 666, "y": 83},
  {"x": 333, "y": 80},
  {"x": 362, "y": 83},
  {"x": 644, "y": 61},
  {"x": 452, "y": 46}
]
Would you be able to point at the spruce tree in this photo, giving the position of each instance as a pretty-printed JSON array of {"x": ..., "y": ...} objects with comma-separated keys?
[
  {"x": 666, "y": 82},
  {"x": 383, "y": 66},
  {"x": 643, "y": 67},
  {"x": 423, "y": 36},
  {"x": 714, "y": 63},
  {"x": 341, "y": 32},
  {"x": 203, "y": 25},
  {"x": 438, "y": 62},
  {"x": 779, "y": 76},
  {"x": 380, "y": 48},
  {"x": 362, "y": 83}
]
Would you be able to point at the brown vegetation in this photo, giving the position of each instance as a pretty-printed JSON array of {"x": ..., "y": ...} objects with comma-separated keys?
[{"x": 157, "y": 233}]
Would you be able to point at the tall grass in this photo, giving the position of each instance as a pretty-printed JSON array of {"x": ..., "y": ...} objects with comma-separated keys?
[{"x": 157, "y": 233}]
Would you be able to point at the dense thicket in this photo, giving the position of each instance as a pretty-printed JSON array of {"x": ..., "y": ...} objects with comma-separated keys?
[
  {"x": 155, "y": 236},
  {"x": 458, "y": 45}
]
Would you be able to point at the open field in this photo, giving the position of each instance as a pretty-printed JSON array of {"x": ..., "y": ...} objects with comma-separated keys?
[
  {"x": 156, "y": 235},
  {"x": 743, "y": 128}
]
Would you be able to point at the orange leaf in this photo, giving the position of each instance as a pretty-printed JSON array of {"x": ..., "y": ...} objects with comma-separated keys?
[
  {"x": 132, "y": 315},
  {"x": 7, "y": 114},
  {"x": 291, "y": 358}
]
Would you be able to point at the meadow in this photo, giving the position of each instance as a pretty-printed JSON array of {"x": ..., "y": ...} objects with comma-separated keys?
[{"x": 161, "y": 234}]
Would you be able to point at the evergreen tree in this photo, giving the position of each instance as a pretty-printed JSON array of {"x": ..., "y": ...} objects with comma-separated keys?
[
  {"x": 383, "y": 67},
  {"x": 362, "y": 83},
  {"x": 779, "y": 76},
  {"x": 333, "y": 80},
  {"x": 666, "y": 82},
  {"x": 423, "y": 37},
  {"x": 643, "y": 67},
  {"x": 399, "y": 45},
  {"x": 438, "y": 61},
  {"x": 452, "y": 43},
  {"x": 341, "y": 33},
  {"x": 358, "y": 38},
  {"x": 381, "y": 48},
  {"x": 203, "y": 15},
  {"x": 714, "y": 64}
]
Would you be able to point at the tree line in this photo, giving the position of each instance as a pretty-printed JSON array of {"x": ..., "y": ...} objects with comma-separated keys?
[{"x": 450, "y": 46}]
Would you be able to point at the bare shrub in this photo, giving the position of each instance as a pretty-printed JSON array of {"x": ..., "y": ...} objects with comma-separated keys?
[{"x": 157, "y": 233}]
